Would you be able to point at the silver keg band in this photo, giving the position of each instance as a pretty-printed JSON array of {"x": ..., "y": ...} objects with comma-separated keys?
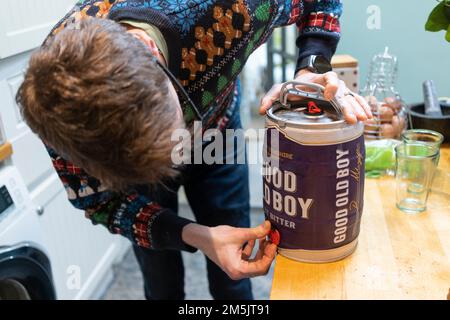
[
  {"x": 311, "y": 137},
  {"x": 320, "y": 256}
]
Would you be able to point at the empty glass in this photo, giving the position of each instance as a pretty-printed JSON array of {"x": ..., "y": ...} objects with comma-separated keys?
[
  {"x": 429, "y": 137},
  {"x": 415, "y": 167}
]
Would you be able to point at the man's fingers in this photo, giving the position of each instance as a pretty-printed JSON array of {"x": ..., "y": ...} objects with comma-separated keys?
[
  {"x": 358, "y": 110},
  {"x": 270, "y": 250},
  {"x": 247, "y": 252},
  {"x": 254, "y": 233},
  {"x": 261, "y": 266},
  {"x": 365, "y": 105},
  {"x": 262, "y": 243},
  {"x": 269, "y": 98},
  {"x": 349, "y": 115},
  {"x": 331, "y": 84}
]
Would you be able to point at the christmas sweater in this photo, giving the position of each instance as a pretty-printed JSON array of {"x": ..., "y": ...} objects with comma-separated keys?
[{"x": 209, "y": 42}]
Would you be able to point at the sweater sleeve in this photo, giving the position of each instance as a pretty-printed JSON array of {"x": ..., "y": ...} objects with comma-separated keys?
[
  {"x": 132, "y": 214},
  {"x": 319, "y": 28}
]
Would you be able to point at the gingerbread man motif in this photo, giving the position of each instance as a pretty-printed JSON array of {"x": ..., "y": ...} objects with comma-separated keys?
[
  {"x": 190, "y": 63},
  {"x": 224, "y": 25},
  {"x": 75, "y": 17},
  {"x": 104, "y": 7},
  {"x": 206, "y": 43},
  {"x": 240, "y": 8}
]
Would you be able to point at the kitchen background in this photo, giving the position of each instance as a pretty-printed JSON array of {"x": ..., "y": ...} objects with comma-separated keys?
[{"x": 86, "y": 261}]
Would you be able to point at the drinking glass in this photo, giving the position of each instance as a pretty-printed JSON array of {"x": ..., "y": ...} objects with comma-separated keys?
[
  {"x": 415, "y": 168},
  {"x": 428, "y": 137}
]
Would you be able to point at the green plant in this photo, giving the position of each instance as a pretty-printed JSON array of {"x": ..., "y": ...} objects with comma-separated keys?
[{"x": 439, "y": 19}]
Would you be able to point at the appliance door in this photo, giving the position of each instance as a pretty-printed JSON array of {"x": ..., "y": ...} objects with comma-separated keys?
[
  {"x": 25, "y": 274},
  {"x": 24, "y": 24}
]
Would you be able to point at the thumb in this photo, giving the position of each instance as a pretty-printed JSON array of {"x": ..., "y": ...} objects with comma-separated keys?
[
  {"x": 269, "y": 98},
  {"x": 258, "y": 232}
]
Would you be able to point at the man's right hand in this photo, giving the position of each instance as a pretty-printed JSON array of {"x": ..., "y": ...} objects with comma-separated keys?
[{"x": 224, "y": 245}]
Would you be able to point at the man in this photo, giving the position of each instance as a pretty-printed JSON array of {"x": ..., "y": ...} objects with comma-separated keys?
[{"x": 103, "y": 95}]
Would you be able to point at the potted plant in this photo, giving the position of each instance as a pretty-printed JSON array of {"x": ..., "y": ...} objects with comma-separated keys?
[{"x": 439, "y": 18}]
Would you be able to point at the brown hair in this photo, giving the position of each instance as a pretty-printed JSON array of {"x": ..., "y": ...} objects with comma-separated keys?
[{"x": 94, "y": 95}]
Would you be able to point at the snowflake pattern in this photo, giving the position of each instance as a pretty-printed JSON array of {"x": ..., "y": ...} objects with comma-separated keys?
[
  {"x": 330, "y": 7},
  {"x": 186, "y": 13}
]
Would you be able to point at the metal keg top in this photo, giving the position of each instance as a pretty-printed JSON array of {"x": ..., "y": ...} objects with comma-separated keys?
[
  {"x": 300, "y": 116},
  {"x": 312, "y": 111}
]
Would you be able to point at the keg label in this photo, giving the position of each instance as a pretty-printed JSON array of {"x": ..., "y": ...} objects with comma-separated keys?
[{"x": 314, "y": 197}]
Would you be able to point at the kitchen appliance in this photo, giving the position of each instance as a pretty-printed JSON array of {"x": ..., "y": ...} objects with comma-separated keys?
[
  {"x": 347, "y": 67},
  {"x": 433, "y": 114},
  {"x": 25, "y": 270}
]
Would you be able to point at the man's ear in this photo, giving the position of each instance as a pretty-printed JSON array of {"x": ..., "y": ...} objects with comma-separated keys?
[{"x": 145, "y": 39}]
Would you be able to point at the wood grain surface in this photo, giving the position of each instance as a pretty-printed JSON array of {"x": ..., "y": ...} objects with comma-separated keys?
[{"x": 399, "y": 256}]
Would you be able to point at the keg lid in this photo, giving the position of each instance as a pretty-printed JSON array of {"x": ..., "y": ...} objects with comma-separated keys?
[
  {"x": 299, "y": 115},
  {"x": 312, "y": 110}
]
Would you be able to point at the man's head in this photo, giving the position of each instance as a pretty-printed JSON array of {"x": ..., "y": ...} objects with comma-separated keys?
[{"x": 94, "y": 94}]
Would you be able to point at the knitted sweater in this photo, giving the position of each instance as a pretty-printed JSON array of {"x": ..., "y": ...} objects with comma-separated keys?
[{"x": 209, "y": 42}]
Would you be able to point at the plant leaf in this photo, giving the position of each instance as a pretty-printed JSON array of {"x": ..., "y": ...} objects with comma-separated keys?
[
  {"x": 437, "y": 20},
  {"x": 447, "y": 36}
]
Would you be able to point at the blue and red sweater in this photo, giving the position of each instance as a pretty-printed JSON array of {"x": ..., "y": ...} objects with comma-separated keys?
[{"x": 209, "y": 42}]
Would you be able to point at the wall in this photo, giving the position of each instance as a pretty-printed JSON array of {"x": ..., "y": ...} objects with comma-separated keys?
[{"x": 422, "y": 55}]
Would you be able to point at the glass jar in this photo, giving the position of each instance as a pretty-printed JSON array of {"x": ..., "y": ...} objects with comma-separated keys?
[{"x": 388, "y": 108}]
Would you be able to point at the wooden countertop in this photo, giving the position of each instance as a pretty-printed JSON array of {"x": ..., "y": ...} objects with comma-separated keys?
[
  {"x": 5, "y": 151},
  {"x": 399, "y": 256}
]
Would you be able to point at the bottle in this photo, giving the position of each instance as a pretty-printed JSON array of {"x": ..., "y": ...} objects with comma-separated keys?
[{"x": 388, "y": 108}]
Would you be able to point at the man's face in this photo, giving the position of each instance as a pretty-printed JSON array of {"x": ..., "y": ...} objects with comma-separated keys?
[{"x": 176, "y": 102}]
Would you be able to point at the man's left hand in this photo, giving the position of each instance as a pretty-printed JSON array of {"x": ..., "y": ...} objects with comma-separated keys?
[{"x": 355, "y": 107}]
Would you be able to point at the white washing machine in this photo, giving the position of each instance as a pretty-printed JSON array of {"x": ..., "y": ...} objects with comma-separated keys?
[{"x": 25, "y": 269}]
